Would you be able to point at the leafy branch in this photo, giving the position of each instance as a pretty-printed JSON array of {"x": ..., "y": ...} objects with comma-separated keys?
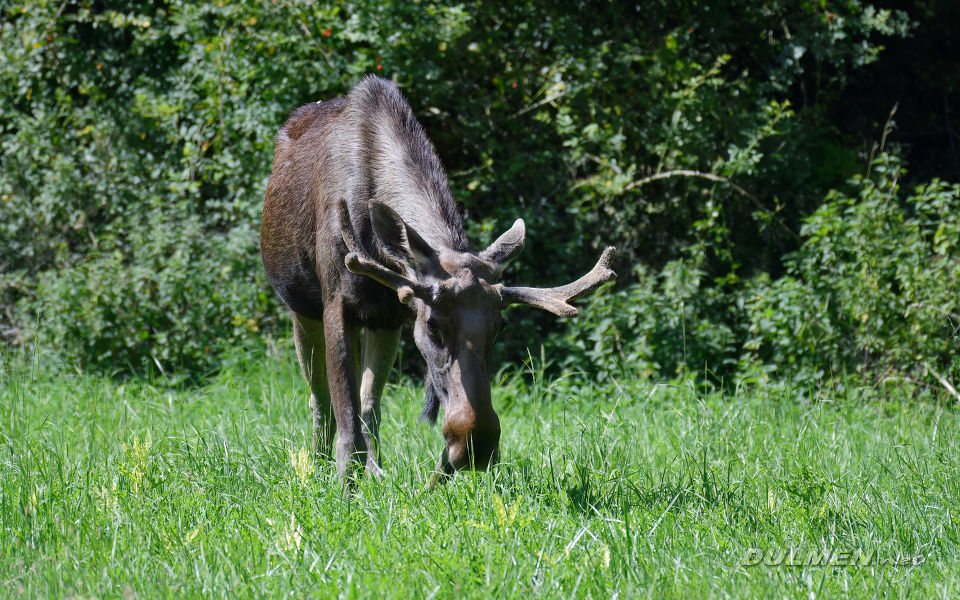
[{"x": 688, "y": 173}]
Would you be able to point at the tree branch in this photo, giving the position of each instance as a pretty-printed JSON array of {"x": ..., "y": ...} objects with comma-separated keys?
[
  {"x": 688, "y": 173},
  {"x": 943, "y": 381}
]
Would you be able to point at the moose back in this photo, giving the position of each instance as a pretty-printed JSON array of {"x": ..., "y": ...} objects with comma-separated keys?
[{"x": 359, "y": 233}]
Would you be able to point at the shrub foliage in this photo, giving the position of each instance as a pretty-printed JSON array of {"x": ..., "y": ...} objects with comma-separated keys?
[{"x": 137, "y": 136}]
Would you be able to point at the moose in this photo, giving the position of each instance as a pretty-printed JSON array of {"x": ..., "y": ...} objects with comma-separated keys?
[{"x": 359, "y": 233}]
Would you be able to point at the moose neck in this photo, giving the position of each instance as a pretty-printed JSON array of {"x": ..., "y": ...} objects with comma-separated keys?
[{"x": 401, "y": 166}]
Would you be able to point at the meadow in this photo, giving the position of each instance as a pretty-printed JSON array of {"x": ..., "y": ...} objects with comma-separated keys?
[
  {"x": 781, "y": 181},
  {"x": 611, "y": 488}
]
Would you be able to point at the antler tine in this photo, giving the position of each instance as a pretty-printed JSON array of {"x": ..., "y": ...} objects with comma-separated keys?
[
  {"x": 556, "y": 299},
  {"x": 357, "y": 261}
]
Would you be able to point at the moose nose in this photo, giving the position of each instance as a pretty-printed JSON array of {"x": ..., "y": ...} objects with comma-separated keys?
[
  {"x": 476, "y": 450},
  {"x": 471, "y": 445}
]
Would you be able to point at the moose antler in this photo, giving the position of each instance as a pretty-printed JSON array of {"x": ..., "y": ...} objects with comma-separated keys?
[
  {"x": 556, "y": 299},
  {"x": 357, "y": 261}
]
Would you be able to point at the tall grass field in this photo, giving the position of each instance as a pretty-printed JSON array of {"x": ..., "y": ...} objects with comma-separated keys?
[{"x": 617, "y": 488}]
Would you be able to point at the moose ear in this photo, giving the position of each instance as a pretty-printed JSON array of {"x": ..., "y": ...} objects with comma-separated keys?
[
  {"x": 397, "y": 240},
  {"x": 507, "y": 246}
]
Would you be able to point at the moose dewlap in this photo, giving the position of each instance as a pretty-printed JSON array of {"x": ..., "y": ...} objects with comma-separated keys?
[{"x": 359, "y": 233}]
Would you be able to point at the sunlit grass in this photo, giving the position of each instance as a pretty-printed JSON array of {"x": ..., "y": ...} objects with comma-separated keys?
[{"x": 606, "y": 488}]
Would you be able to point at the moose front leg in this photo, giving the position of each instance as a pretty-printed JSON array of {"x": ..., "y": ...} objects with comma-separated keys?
[
  {"x": 379, "y": 353},
  {"x": 343, "y": 362}
]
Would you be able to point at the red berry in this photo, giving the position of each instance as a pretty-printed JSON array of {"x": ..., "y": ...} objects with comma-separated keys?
[
  {"x": 327, "y": 33},
  {"x": 514, "y": 84},
  {"x": 379, "y": 67}
]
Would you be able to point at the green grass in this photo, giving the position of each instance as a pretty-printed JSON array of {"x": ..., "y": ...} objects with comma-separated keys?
[{"x": 613, "y": 488}]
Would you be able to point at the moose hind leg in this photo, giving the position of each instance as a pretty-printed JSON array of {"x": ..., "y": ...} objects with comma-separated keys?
[
  {"x": 311, "y": 354},
  {"x": 379, "y": 353}
]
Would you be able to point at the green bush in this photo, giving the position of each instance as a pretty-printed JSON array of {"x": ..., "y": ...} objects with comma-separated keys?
[
  {"x": 136, "y": 137},
  {"x": 874, "y": 289},
  {"x": 177, "y": 306},
  {"x": 668, "y": 323}
]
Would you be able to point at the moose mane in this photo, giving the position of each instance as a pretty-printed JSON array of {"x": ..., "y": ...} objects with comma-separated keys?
[{"x": 400, "y": 163}]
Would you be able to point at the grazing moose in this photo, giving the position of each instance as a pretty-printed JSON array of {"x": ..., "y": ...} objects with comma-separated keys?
[{"x": 359, "y": 233}]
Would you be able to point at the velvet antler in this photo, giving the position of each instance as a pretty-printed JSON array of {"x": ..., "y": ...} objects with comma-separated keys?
[{"x": 556, "y": 299}]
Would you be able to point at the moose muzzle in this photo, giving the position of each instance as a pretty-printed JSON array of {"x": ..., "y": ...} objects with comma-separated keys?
[{"x": 471, "y": 427}]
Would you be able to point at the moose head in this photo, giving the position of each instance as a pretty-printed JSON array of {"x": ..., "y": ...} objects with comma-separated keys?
[{"x": 458, "y": 307}]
